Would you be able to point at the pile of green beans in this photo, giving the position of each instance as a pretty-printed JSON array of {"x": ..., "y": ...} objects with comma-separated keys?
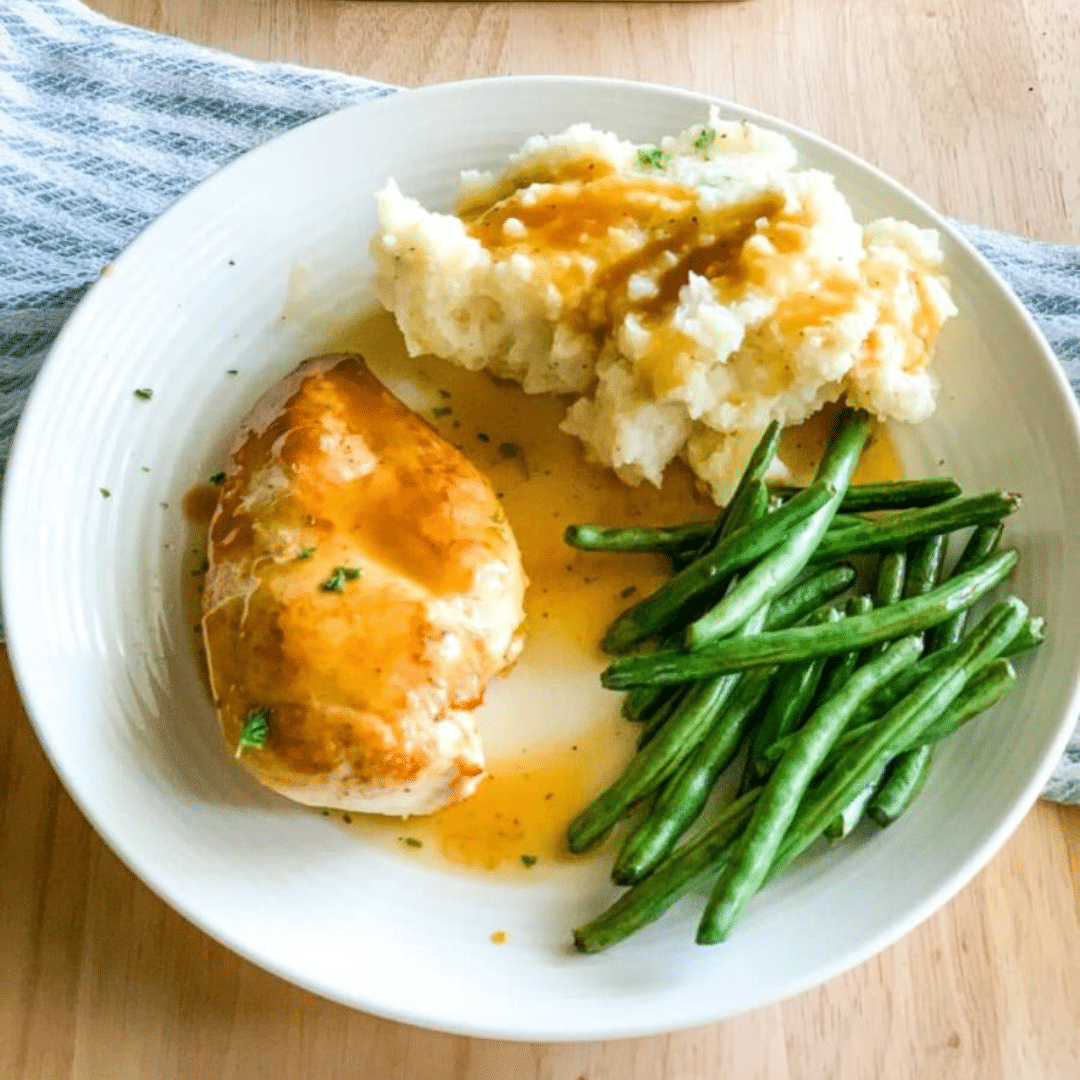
[{"x": 763, "y": 653}]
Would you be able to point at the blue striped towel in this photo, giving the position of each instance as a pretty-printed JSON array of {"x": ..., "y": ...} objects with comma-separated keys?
[{"x": 102, "y": 126}]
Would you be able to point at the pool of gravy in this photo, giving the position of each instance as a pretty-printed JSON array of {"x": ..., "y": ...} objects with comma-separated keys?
[{"x": 516, "y": 821}]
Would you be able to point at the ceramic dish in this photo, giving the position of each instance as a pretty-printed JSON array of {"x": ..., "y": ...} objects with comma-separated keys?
[{"x": 258, "y": 268}]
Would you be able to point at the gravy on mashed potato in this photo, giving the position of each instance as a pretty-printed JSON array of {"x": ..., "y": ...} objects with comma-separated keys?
[{"x": 686, "y": 294}]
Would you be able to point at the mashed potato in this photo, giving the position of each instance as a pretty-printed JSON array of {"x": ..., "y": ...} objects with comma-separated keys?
[{"x": 686, "y": 294}]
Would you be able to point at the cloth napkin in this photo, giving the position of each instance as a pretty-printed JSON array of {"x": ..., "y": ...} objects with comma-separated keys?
[{"x": 102, "y": 126}]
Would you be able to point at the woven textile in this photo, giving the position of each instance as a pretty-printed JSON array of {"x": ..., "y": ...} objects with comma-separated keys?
[{"x": 102, "y": 126}]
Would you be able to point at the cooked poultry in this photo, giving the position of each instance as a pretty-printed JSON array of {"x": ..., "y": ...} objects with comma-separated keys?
[{"x": 364, "y": 585}]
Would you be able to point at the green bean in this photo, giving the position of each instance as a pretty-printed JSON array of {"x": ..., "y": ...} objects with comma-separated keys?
[
  {"x": 896, "y": 495},
  {"x": 749, "y": 502},
  {"x": 847, "y": 740},
  {"x": 738, "y": 507},
  {"x": 752, "y": 503},
  {"x": 706, "y": 575},
  {"x": 1031, "y": 634},
  {"x": 850, "y": 736},
  {"x": 793, "y": 691},
  {"x": 782, "y": 565},
  {"x": 894, "y": 571},
  {"x": 683, "y": 542},
  {"x": 680, "y": 560},
  {"x": 899, "y": 687},
  {"x": 750, "y": 509},
  {"x": 982, "y": 692},
  {"x": 982, "y": 543},
  {"x": 839, "y": 669},
  {"x": 837, "y": 672},
  {"x": 903, "y": 782},
  {"x": 843, "y": 825},
  {"x": 923, "y": 572},
  {"x": 845, "y": 521},
  {"x": 788, "y": 610},
  {"x": 657, "y": 714},
  {"x": 803, "y": 682},
  {"x": 647, "y": 901},
  {"x": 924, "y": 565},
  {"x": 910, "y": 525},
  {"x": 804, "y": 643},
  {"x": 642, "y": 702},
  {"x": 683, "y": 797},
  {"x": 782, "y": 794},
  {"x": 888, "y": 587},
  {"x": 661, "y": 716},
  {"x": 900, "y": 729},
  {"x": 662, "y": 539},
  {"x": 801, "y": 600},
  {"x": 806, "y": 599},
  {"x": 755, "y": 507}
]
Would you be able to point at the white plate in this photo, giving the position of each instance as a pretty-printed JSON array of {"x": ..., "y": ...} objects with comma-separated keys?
[{"x": 100, "y": 641}]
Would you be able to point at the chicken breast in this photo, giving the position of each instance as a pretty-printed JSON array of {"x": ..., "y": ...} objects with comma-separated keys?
[{"x": 364, "y": 585}]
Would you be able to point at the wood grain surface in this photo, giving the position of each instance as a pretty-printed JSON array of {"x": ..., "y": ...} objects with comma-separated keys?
[{"x": 972, "y": 103}]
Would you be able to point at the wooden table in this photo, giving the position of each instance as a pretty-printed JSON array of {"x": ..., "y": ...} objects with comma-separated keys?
[{"x": 973, "y": 104}]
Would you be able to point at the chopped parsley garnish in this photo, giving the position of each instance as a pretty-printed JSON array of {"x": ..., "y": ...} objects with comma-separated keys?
[
  {"x": 441, "y": 411},
  {"x": 412, "y": 841},
  {"x": 306, "y": 553},
  {"x": 254, "y": 732},
  {"x": 483, "y": 436},
  {"x": 144, "y": 393},
  {"x": 706, "y": 137},
  {"x": 336, "y": 581},
  {"x": 528, "y": 861},
  {"x": 105, "y": 493},
  {"x": 232, "y": 371},
  {"x": 652, "y": 156},
  {"x": 217, "y": 478}
]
